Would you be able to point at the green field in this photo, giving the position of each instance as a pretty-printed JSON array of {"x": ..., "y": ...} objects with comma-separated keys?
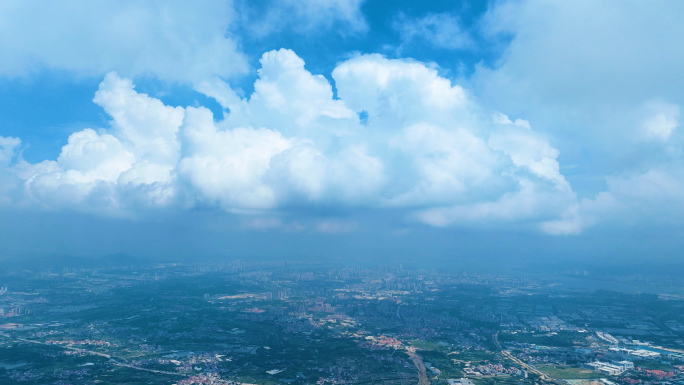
[
  {"x": 560, "y": 339},
  {"x": 569, "y": 372},
  {"x": 426, "y": 345}
]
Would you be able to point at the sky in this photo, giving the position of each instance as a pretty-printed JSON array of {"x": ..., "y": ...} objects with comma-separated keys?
[{"x": 379, "y": 130}]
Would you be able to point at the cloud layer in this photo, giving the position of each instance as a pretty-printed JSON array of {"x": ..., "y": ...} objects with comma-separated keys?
[
  {"x": 303, "y": 16},
  {"x": 593, "y": 92},
  {"x": 442, "y": 30},
  {"x": 171, "y": 40},
  {"x": 602, "y": 80},
  {"x": 397, "y": 138}
]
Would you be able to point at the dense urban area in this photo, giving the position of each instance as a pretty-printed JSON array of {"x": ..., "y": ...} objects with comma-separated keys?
[{"x": 264, "y": 322}]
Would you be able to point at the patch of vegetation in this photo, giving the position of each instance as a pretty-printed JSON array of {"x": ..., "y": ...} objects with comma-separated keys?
[
  {"x": 559, "y": 339},
  {"x": 653, "y": 365},
  {"x": 564, "y": 372}
]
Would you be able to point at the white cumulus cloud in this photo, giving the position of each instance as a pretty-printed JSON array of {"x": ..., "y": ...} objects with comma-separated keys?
[
  {"x": 661, "y": 121},
  {"x": 426, "y": 149},
  {"x": 602, "y": 79}
]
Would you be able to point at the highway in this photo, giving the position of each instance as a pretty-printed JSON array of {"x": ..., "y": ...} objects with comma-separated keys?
[
  {"x": 418, "y": 362},
  {"x": 529, "y": 368},
  {"x": 112, "y": 360}
]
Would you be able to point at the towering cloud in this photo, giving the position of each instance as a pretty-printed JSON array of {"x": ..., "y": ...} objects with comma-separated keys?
[{"x": 398, "y": 138}]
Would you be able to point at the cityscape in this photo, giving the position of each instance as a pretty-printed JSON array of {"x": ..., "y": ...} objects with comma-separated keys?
[{"x": 274, "y": 322}]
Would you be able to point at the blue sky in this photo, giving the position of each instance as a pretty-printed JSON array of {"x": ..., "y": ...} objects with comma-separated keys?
[{"x": 381, "y": 129}]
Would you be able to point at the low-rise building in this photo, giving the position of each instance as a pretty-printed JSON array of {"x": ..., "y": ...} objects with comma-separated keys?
[
  {"x": 605, "y": 368},
  {"x": 461, "y": 381}
]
